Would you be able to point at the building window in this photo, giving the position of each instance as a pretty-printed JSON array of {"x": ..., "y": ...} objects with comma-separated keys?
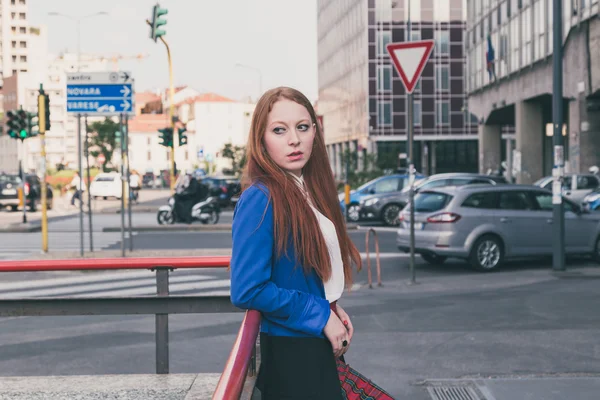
[
  {"x": 384, "y": 113},
  {"x": 21, "y": 16},
  {"x": 14, "y": 44},
  {"x": 23, "y": 58},
  {"x": 13, "y": 2},
  {"x": 442, "y": 42},
  {"x": 23, "y": 45},
  {"x": 187, "y": 156},
  {"x": 384, "y": 78},
  {"x": 417, "y": 112},
  {"x": 14, "y": 71},
  {"x": 22, "y": 30},
  {"x": 22, "y": 2},
  {"x": 383, "y": 38},
  {"x": 442, "y": 77},
  {"x": 13, "y": 29},
  {"x": 442, "y": 113},
  {"x": 149, "y": 156},
  {"x": 415, "y": 35},
  {"x": 13, "y": 15},
  {"x": 383, "y": 10},
  {"x": 14, "y": 59},
  {"x": 148, "y": 141}
]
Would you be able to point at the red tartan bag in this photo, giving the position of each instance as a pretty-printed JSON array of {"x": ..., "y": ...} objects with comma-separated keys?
[{"x": 356, "y": 386}]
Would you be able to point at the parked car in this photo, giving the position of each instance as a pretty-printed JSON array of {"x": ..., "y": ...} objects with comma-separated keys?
[
  {"x": 9, "y": 192},
  {"x": 575, "y": 186},
  {"x": 383, "y": 184},
  {"x": 105, "y": 185},
  {"x": 385, "y": 207},
  {"x": 149, "y": 180},
  {"x": 488, "y": 224}
]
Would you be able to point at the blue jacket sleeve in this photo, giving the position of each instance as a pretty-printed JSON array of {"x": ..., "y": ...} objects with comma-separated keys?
[{"x": 251, "y": 263}]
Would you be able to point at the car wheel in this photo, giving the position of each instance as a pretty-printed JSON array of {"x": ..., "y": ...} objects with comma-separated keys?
[
  {"x": 596, "y": 255},
  {"x": 390, "y": 213},
  {"x": 165, "y": 218},
  {"x": 487, "y": 253},
  {"x": 353, "y": 214},
  {"x": 32, "y": 206},
  {"x": 105, "y": 198},
  {"x": 433, "y": 259},
  {"x": 13, "y": 208}
]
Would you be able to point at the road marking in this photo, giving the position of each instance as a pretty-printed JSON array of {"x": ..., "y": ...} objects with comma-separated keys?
[{"x": 385, "y": 255}]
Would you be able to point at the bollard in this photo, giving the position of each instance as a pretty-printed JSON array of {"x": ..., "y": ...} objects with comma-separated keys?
[
  {"x": 162, "y": 323},
  {"x": 369, "y": 258}
]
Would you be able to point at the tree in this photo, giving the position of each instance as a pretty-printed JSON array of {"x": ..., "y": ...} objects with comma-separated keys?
[
  {"x": 103, "y": 140},
  {"x": 359, "y": 171},
  {"x": 237, "y": 155}
]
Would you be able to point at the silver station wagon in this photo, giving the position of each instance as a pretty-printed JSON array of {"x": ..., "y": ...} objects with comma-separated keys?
[{"x": 487, "y": 224}]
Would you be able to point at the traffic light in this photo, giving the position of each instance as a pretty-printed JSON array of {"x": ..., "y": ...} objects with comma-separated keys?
[
  {"x": 183, "y": 139},
  {"x": 13, "y": 124},
  {"x": 23, "y": 117},
  {"x": 47, "y": 111},
  {"x": 33, "y": 128},
  {"x": 166, "y": 137},
  {"x": 157, "y": 22}
]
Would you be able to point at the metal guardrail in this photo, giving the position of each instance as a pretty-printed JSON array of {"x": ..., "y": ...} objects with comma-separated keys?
[{"x": 161, "y": 305}]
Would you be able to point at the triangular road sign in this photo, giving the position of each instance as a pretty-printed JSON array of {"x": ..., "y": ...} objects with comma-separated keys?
[{"x": 410, "y": 59}]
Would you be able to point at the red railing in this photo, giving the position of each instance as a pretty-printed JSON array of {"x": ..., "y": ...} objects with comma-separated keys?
[
  {"x": 231, "y": 384},
  {"x": 113, "y": 263}
]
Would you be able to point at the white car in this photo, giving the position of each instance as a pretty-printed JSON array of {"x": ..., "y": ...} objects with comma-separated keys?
[{"x": 106, "y": 185}]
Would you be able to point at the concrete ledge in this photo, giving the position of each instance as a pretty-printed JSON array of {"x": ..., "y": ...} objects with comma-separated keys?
[
  {"x": 97, "y": 387},
  {"x": 61, "y": 255},
  {"x": 21, "y": 228}
]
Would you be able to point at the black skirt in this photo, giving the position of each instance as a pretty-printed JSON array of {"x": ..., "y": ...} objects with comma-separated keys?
[{"x": 295, "y": 368}]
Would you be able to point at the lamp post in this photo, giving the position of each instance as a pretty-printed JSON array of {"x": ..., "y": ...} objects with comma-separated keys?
[
  {"x": 78, "y": 23},
  {"x": 258, "y": 71}
]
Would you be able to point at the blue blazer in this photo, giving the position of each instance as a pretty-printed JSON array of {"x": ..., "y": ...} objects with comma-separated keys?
[{"x": 292, "y": 302}]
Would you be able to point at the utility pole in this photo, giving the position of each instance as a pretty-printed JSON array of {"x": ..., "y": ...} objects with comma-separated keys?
[{"x": 558, "y": 259}]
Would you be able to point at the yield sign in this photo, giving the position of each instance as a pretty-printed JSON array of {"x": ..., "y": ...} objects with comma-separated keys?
[{"x": 410, "y": 59}]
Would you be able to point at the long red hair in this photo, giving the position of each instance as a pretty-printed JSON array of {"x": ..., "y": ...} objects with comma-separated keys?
[{"x": 294, "y": 221}]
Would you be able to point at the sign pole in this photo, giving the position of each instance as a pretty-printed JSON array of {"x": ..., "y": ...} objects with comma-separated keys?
[
  {"x": 411, "y": 169},
  {"x": 558, "y": 259},
  {"x": 44, "y": 190},
  {"x": 89, "y": 179},
  {"x": 126, "y": 138},
  {"x": 79, "y": 189},
  {"x": 123, "y": 186}
]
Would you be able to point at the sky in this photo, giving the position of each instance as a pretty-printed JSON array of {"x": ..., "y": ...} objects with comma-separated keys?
[{"x": 207, "y": 39}]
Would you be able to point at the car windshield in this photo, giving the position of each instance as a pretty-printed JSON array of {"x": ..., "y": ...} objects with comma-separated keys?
[
  {"x": 12, "y": 179},
  {"x": 366, "y": 185},
  {"x": 431, "y": 201},
  {"x": 540, "y": 182}
]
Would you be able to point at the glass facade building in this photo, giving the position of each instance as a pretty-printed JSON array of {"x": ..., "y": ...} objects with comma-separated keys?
[{"x": 362, "y": 99}]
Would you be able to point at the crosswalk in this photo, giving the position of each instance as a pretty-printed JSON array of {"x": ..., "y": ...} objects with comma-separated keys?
[
  {"x": 115, "y": 284},
  {"x": 20, "y": 245}
]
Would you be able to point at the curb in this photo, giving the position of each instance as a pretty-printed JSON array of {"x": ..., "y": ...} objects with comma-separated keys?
[
  {"x": 167, "y": 228},
  {"x": 133, "y": 210}
]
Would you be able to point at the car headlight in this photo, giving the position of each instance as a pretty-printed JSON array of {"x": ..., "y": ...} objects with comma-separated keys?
[{"x": 371, "y": 202}]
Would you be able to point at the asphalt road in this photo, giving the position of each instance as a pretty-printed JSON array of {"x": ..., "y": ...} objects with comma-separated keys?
[{"x": 454, "y": 323}]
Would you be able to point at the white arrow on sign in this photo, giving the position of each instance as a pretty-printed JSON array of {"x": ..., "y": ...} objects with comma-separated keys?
[
  {"x": 125, "y": 105},
  {"x": 125, "y": 91}
]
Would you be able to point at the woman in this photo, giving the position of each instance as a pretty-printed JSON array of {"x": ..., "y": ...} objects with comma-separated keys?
[{"x": 291, "y": 253}]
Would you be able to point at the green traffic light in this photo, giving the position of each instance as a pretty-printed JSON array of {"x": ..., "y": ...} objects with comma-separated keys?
[
  {"x": 157, "y": 22},
  {"x": 23, "y": 134}
]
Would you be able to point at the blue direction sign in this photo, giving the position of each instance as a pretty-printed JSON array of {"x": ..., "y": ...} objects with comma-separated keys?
[{"x": 100, "y": 93}]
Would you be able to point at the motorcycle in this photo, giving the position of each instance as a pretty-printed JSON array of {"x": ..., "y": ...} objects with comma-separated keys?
[{"x": 206, "y": 211}]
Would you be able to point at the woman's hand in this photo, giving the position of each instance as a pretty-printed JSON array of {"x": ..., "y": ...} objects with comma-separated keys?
[
  {"x": 343, "y": 316},
  {"x": 336, "y": 333}
]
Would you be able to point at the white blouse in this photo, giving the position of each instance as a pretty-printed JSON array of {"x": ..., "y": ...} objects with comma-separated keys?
[{"x": 334, "y": 287}]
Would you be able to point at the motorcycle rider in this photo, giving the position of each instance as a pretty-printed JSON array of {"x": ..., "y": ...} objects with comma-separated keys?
[{"x": 188, "y": 192}]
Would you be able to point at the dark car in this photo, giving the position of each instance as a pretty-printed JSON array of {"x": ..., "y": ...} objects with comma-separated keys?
[
  {"x": 148, "y": 180},
  {"x": 9, "y": 191},
  {"x": 225, "y": 188},
  {"x": 386, "y": 207}
]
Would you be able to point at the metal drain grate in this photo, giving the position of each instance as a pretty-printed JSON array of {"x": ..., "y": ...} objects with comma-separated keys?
[{"x": 456, "y": 391}]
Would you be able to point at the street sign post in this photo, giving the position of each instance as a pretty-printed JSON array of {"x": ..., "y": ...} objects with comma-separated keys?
[
  {"x": 410, "y": 59},
  {"x": 100, "y": 93}
]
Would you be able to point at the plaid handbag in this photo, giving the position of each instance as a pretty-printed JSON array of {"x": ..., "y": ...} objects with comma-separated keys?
[{"x": 356, "y": 386}]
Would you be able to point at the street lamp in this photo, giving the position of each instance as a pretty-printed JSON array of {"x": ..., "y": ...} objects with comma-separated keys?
[
  {"x": 238, "y": 65},
  {"x": 78, "y": 21}
]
